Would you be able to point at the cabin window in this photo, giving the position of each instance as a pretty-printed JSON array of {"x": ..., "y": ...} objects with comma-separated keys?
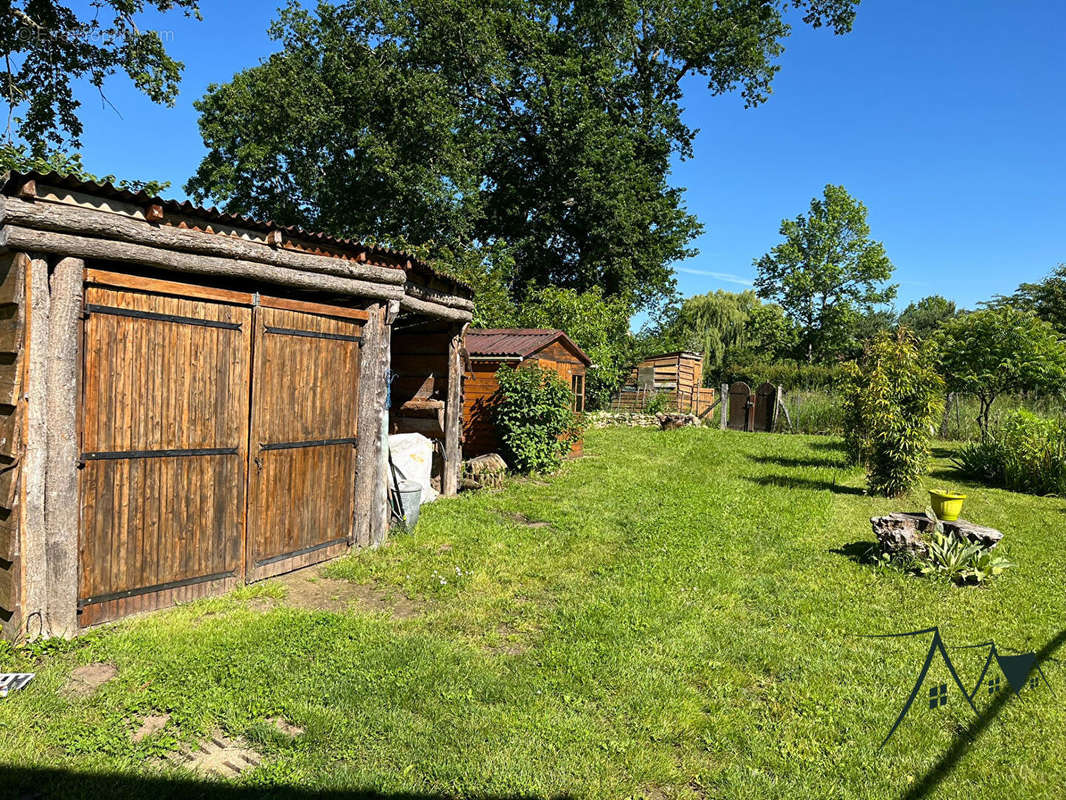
[
  {"x": 938, "y": 696},
  {"x": 577, "y": 383}
]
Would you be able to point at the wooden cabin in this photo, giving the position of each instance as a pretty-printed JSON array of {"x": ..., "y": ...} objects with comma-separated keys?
[
  {"x": 677, "y": 375},
  {"x": 190, "y": 400},
  {"x": 490, "y": 349}
]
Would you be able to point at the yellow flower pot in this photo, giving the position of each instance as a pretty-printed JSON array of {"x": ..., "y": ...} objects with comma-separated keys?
[{"x": 946, "y": 505}]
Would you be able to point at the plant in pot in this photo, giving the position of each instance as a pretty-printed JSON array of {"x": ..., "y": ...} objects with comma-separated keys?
[{"x": 947, "y": 504}]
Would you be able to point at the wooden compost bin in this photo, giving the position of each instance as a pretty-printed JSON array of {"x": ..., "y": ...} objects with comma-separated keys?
[
  {"x": 190, "y": 400},
  {"x": 678, "y": 375},
  {"x": 490, "y": 349}
]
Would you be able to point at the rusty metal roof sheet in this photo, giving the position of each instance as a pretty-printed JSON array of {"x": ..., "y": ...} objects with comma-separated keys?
[
  {"x": 11, "y": 181},
  {"x": 517, "y": 342}
]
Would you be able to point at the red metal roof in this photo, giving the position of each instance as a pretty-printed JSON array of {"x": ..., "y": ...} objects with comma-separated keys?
[
  {"x": 12, "y": 180},
  {"x": 517, "y": 342}
]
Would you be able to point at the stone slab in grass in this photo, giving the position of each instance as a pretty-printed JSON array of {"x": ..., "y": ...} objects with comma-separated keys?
[
  {"x": 904, "y": 532},
  {"x": 219, "y": 756}
]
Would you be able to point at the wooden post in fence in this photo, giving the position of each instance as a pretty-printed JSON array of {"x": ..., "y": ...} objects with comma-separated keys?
[
  {"x": 724, "y": 399},
  {"x": 779, "y": 401}
]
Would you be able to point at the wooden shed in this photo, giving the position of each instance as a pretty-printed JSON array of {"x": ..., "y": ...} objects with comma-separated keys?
[
  {"x": 491, "y": 348},
  {"x": 190, "y": 400},
  {"x": 678, "y": 375}
]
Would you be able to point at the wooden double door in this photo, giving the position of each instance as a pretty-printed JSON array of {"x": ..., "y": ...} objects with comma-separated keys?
[{"x": 218, "y": 443}]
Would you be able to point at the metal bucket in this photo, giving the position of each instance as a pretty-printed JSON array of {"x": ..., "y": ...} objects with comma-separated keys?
[{"x": 410, "y": 494}]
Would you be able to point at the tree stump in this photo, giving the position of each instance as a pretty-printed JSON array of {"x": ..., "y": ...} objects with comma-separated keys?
[
  {"x": 669, "y": 422},
  {"x": 903, "y": 533}
]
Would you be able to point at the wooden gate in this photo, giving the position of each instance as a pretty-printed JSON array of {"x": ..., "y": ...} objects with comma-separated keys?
[
  {"x": 199, "y": 467},
  {"x": 741, "y": 404},
  {"x": 765, "y": 405},
  {"x": 304, "y": 414},
  {"x": 164, "y": 450}
]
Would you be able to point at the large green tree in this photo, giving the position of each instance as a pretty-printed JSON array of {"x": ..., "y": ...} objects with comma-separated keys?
[
  {"x": 733, "y": 327},
  {"x": 48, "y": 47},
  {"x": 1001, "y": 350},
  {"x": 1046, "y": 298},
  {"x": 924, "y": 317},
  {"x": 826, "y": 273},
  {"x": 536, "y": 132}
]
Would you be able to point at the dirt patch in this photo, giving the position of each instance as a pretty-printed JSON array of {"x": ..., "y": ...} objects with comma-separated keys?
[
  {"x": 309, "y": 589},
  {"x": 217, "y": 755},
  {"x": 84, "y": 681},
  {"x": 525, "y": 521},
  {"x": 262, "y": 604},
  {"x": 286, "y": 727},
  {"x": 512, "y": 642},
  {"x": 152, "y": 725}
]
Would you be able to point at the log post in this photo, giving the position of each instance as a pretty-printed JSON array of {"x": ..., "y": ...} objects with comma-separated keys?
[
  {"x": 366, "y": 469},
  {"x": 453, "y": 416},
  {"x": 725, "y": 406},
  {"x": 61, "y": 495},
  {"x": 35, "y": 460},
  {"x": 379, "y": 511}
]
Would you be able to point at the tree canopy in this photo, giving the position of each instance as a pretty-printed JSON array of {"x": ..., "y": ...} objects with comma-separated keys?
[
  {"x": 731, "y": 327},
  {"x": 924, "y": 317},
  {"x": 1046, "y": 299},
  {"x": 826, "y": 272},
  {"x": 993, "y": 351},
  {"x": 533, "y": 133},
  {"x": 48, "y": 46}
]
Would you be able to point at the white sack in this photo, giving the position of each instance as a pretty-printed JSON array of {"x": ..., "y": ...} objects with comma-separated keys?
[{"x": 412, "y": 460}]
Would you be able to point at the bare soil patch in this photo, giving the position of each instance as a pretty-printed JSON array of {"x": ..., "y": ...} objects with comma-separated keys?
[
  {"x": 152, "y": 724},
  {"x": 525, "y": 521},
  {"x": 85, "y": 680},
  {"x": 286, "y": 727},
  {"x": 310, "y": 589}
]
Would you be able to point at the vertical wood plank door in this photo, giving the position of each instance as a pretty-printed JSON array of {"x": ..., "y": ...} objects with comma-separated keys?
[
  {"x": 164, "y": 436},
  {"x": 303, "y": 440}
]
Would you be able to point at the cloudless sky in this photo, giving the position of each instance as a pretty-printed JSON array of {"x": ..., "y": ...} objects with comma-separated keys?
[{"x": 945, "y": 117}]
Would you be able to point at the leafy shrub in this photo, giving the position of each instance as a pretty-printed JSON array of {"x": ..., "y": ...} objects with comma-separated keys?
[
  {"x": 891, "y": 401},
  {"x": 534, "y": 418},
  {"x": 949, "y": 557},
  {"x": 657, "y": 404},
  {"x": 1026, "y": 453}
]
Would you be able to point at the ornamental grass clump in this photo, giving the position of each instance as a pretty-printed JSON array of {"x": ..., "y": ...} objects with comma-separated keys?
[
  {"x": 534, "y": 418},
  {"x": 892, "y": 398}
]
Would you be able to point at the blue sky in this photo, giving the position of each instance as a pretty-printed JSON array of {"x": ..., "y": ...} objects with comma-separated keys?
[{"x": 946, "y": 118}]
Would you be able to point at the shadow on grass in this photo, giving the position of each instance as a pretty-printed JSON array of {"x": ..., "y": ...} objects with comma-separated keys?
[
  {"x": 859, "y": 552},
  {"x": 928, "y": 783},
  {"x": 789, "y": 461},
  {"x": 796, "y": 482},
  {"x": 25, "y": 783},
  {"x": 835, "y": 445}
]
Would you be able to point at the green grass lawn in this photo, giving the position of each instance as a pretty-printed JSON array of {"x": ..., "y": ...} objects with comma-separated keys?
[{"x": 686, "y": 626}]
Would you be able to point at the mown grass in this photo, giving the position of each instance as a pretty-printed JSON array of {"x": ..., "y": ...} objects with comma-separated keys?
[{"x": 687, "y": 626}]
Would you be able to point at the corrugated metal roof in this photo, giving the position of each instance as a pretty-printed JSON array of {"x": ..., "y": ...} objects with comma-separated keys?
[
  {"x": 11, "y": 181},
  {"x": 517, "y": 342}
]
